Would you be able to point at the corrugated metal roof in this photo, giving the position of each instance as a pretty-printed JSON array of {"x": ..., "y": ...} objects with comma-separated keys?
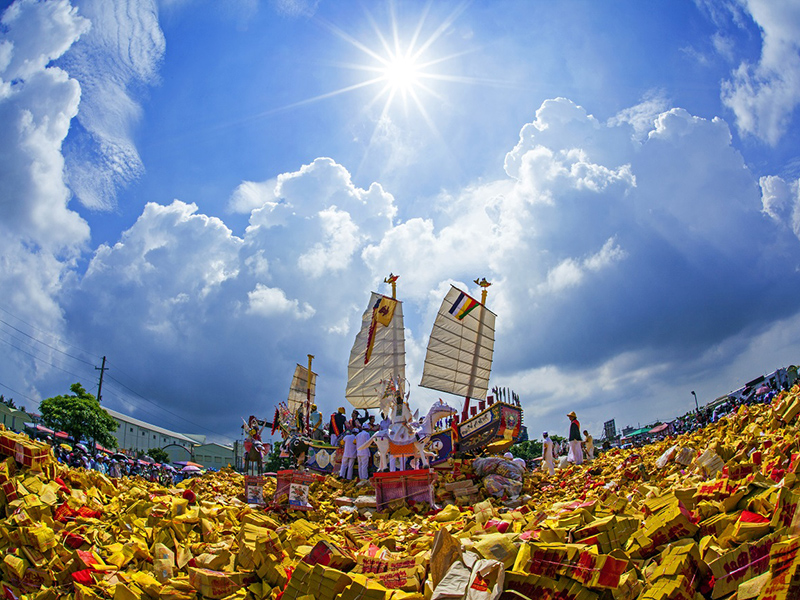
[
  {"x": 143, "y": 424},
  {"x": 638, "y": 432}
]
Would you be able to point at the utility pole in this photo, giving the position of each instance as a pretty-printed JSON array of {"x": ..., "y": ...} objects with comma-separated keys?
[{"x": 102, "y": 370}]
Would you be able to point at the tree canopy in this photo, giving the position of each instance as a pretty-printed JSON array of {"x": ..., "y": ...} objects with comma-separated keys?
[
  {"x": 158, "y": 454},
  {"x": 81, "y": 416}
]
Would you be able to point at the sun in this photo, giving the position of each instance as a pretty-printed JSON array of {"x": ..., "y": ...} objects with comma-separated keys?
[
  {"x": 402, "y": 73},
  {"x": 406, "y": 66},
  {"x": 401, "y": 64}
]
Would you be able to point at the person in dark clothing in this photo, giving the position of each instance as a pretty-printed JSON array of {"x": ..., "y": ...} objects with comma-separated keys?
[
  {"x": 338, "y": 424},
  {"x": 575, "y": 451}
]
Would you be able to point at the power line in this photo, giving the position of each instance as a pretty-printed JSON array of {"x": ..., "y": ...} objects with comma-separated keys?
[
  {"x": 45, "y": 343},
  {"x": 53, "y": 336},
  {"x": 90, "y": 377},
  {"x": 164, "y": 409},
  {"x": 16, "y": 392},
  {"x": 41, "y": 359}
]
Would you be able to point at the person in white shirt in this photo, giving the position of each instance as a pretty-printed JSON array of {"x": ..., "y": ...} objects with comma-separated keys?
[
  {"x": 588, "y": 442},
  {"x": 385, "y": 423},
  {"x": 348, "y": 456},
  {"x": 362, "y": 437},
  {"x": 547, "y": 454}
]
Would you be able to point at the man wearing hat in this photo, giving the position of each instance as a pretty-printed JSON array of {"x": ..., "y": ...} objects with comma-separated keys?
[
  {"x": 575, "y": 455},
  {"x": 547, "y": 454}
]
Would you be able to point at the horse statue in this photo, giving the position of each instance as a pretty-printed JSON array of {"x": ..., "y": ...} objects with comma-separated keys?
[
  {"x": 297, "y": 447},
  {"x": 407, "y": 436}
]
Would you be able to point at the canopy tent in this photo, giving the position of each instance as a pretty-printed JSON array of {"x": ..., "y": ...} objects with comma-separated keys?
[{"x": 39, "y": 428}]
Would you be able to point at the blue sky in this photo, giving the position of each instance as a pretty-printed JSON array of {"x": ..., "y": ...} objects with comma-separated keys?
[{"x": 206, "y": 192}]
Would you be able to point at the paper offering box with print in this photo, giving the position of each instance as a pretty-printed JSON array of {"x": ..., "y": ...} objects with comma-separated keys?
[
  {"x": 25, "y": 451},
  {"x": 291, "y": 490},
  {"x": 400, "y": 487}
]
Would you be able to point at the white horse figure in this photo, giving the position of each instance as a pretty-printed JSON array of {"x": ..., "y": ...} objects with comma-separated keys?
[{"x": 407, "y": 437}]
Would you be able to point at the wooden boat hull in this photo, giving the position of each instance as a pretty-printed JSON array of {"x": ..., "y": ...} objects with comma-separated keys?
[
  {"x": 497, "y": 422},
  {"x": 492, "y": 425}
]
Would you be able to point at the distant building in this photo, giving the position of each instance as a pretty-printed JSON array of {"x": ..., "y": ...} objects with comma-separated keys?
[
  {"x": 214, "y": 456},
  {"x": 610, "y": 429},
  {"x": 13, "y": 418},
  {"x": 134, "y": 435}
]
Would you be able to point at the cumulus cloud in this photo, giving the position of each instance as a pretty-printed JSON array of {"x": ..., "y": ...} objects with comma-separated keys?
[
  {"x": 764, "y": 95},
  {"x": 202, "y": 300},
  {"x": 571, "y": 272},
  {"x": 40, "y": 236},
  {"x": 642, "y": 116},
  {"x": 780, "y": 200},
  {"x": 119, "y": 55},
  {"x": 250, "y": 195},
  {"x": 620, "y": 251},
  {"x": 269, "y": 302}
]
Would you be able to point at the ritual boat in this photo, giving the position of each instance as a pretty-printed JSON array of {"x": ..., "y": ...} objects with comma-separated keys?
[
  {"x": 376, "y": 379},
  {"x": 459, "y": 361},
  {"x": 293, "y": 419}
]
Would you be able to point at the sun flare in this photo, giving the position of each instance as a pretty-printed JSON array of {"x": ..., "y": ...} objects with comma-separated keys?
[{"x": 402, "y": 73}]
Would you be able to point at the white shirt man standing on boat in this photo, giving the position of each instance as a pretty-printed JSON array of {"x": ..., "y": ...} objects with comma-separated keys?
[
  {"x": 348, "y": 456},
  {"x": 547, "y": 454},
  {"x": 362, "y": 437}
]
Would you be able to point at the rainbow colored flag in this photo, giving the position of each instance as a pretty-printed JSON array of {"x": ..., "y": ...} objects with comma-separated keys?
[{"x": 463, "y": 306}]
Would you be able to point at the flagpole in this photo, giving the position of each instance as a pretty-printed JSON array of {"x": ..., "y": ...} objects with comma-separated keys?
[{"x": 308, "y": 392}]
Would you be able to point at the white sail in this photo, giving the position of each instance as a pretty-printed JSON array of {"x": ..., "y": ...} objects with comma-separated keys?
[
  {"x": 461, "y": 347},
  {"x": 298, "y": 390},
  {"x": 378, "y": 354}
]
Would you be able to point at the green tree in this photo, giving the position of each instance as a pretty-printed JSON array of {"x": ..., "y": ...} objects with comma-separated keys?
[
  {"x": 81, "y": 416},
  {"x": 274, "y": 462},
  {"x": 528, "y": 450},
  {"x": 158, "y": 454}
]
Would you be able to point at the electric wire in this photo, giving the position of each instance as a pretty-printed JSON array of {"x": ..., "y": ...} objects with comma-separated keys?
[{"x": 121, "y": 398}]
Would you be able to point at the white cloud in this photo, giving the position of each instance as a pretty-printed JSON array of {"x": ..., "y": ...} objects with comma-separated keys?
[
  {"x": 270, "y": 302},
  {"x": 570, "y": 272},
  {"x": 40, "y": 236},
  {"x": 250, "y": 195},
  {"x": 341, "y": 240},
  {"x": 121, "y": 52},
  {"x": 619, "y": 251},
  {"x": 781, "y": 201},
  {"x": 764, "y": 95},
  {"x": 642, "y": 116}
]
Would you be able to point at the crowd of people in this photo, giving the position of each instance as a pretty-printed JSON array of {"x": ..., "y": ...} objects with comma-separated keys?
[{"x": 115, "y": 465}]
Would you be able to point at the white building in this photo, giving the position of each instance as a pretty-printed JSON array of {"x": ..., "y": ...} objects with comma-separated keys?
[{"x": 134, "y": 435}]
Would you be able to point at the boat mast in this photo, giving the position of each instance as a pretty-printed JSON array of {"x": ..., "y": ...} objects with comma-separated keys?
[
  {"x": 484, "y": 293},
  {"x": 308, "y": 392},
  {"x": 392, "y": 279}
]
